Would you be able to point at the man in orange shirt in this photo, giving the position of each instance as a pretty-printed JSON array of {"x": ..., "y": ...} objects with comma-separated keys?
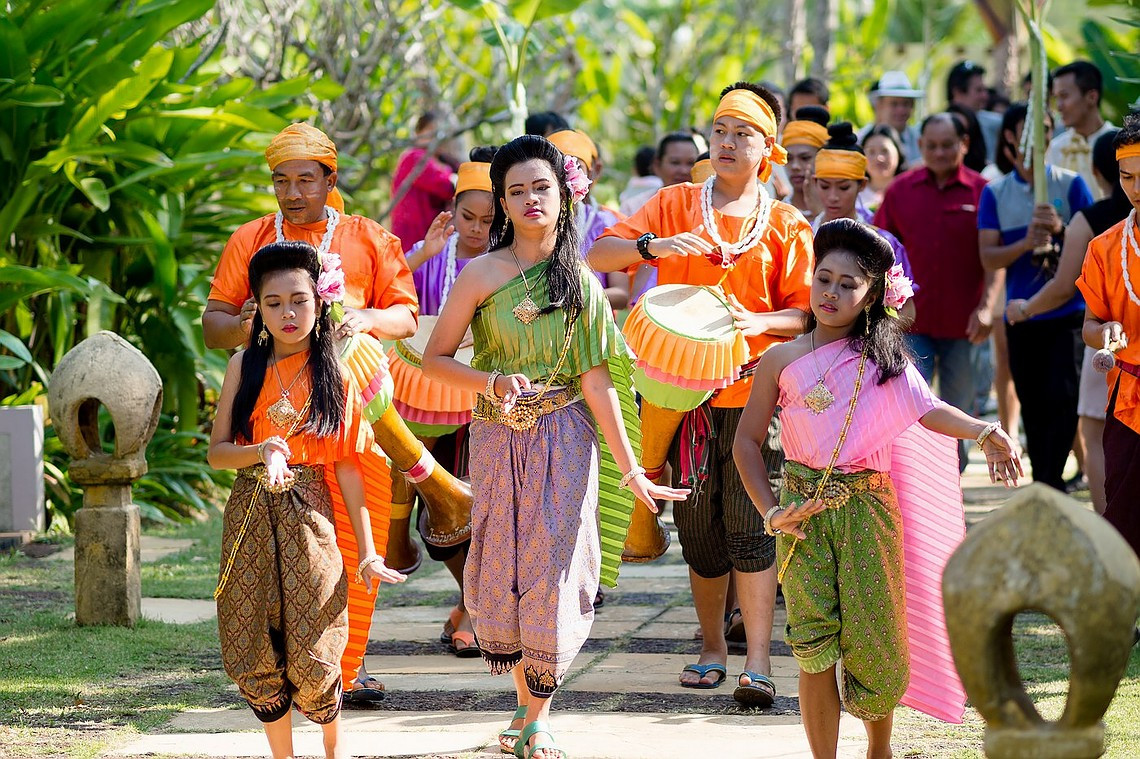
[
  {"x": 380, "y": 298},
  {"x": 1108, "y": 282},
  {"x": 768, "y": 287}
]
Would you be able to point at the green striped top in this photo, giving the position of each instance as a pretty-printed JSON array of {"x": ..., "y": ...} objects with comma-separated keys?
[{"x": 504, "y": 343}]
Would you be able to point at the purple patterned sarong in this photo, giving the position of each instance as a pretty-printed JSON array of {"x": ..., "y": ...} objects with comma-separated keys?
[{"x": 534, "y": 562}]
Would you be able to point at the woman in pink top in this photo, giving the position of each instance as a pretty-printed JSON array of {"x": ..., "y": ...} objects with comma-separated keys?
[
  {"x": 871, "y": 507},
  {"x": 423, "y": 185}
]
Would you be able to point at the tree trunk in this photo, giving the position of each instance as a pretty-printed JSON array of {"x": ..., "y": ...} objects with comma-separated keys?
[
  {"x": 796, "y": 37},
  {"x": 823, "y": 58}
]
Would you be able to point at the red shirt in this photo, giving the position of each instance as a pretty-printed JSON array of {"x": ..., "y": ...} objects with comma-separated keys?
[
  {"x": 939, "y": 229},
  {"x": 430, "y": 193}
]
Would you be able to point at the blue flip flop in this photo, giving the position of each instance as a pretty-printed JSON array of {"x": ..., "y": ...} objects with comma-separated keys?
[
  {"x": 702, "y": 670},
  {"x": 761, "y": 691}
]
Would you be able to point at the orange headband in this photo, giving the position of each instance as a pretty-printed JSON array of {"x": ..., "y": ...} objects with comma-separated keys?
[
  {"x": 473, "y": 175},
  {"x": 1128, "y": 151},
  {"x": 305, "y": 143},
  {"x": 804, "y": 133},
  {"x": 751, "y": 108},
  {"x": 701, "y": 171},
  {"x": 840, "y": 164},
  {"x": 576, "y": 144}
]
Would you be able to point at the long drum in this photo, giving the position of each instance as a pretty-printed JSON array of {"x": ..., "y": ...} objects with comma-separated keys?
[
  {"x": 431, "y": 409},
  {"x": 687, "y": 345}
]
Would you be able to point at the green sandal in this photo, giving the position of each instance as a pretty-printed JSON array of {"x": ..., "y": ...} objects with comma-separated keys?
[
  {"x": 528, "y": 732},
  {"x": 510, "y": 732}
]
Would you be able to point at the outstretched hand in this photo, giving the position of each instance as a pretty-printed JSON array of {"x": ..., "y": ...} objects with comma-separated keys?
[
  {"x": 377, "y": 573},
  {"x": 790, "y": 518},
  {"x": 436, "y": 238},
  {"x": 648, "y": 492}
]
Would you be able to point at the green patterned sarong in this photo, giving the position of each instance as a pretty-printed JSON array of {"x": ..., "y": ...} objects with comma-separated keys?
[{"x": 844, "y": 588}]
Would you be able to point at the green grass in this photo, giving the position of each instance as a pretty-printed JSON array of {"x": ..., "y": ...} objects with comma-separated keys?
[
  {"x": 190, "y": 573},
  {"x": 75, "y": 691},
  {"x": 1043, "y": 661}
]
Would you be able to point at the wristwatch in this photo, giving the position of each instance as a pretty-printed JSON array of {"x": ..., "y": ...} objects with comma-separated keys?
[{"x": 643, "y": 246}]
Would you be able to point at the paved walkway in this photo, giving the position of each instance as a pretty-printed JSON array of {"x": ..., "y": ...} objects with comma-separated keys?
[{"x": 621, "y": 699}]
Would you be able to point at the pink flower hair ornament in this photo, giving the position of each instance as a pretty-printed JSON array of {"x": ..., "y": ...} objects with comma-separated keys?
[
  {"x": 330, "y": 286},
  {"x": 576, "y": 180},
  {"x": 897, "y": 291}
]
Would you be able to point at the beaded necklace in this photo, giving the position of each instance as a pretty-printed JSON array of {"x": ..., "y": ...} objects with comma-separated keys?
[
  {"x": 761, "y": 214},
  {"x": 1128, "y": 240},
  {"x": 326, "y": 241}
]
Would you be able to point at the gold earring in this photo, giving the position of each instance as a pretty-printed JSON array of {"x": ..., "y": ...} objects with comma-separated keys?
[
  {"x": 263, "y": 336},
  {"x": 867, "y": 320},
  {"x": 318, "y": 330}
]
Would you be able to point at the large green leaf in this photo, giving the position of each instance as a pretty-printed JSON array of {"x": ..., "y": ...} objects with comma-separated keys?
[
  {"x": 124, "y": 149},
  {"x": 526, "y": 12},
  {"x": 13, "y": 54},
  {"x": 16, "y": 346},
  {"x": 32, "y": 96},
  {"x": 124, "y": 96},
  {"x": 96, "y": 191}
]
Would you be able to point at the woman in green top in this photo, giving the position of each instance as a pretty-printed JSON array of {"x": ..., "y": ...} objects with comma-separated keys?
[{"x": 551, "y": 509}]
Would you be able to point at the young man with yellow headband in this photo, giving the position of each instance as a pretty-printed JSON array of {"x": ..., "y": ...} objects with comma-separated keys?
[
  {"x": 803, "y": 137},
  {"x": 840, "y": 176},
  {"x": 1112, "y": 322},
  {"x": 768, "y": 286},
  {"x": 380, "y": 298},
  {"x": 592, "y": 218}
]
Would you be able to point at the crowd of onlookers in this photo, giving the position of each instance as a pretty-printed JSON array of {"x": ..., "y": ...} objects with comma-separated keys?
[{"x": 998, "y": 318}]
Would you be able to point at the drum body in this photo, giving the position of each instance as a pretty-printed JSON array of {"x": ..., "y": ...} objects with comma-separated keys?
[
  {"x": 687, "y": 345},
  {"x": 430, "y": 409}
]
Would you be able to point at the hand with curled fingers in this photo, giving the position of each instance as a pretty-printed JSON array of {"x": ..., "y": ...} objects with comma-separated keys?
[
  {"x": 648, "y": 492},
  {"x": 440, "y": 230},
  {"x": 508, "y": 388},
  {"x": 1002, "y": 458},
  {"x": 1112, "y": 333},
  {"x": 354, "y": 322},
  {"x": 684, "y": 244},
  {"x": 790, "y": 518},
  {"x": 245, "y": 316}
]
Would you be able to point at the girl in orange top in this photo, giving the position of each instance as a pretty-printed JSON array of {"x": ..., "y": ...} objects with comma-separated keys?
[
  {"x": 1112, "y": 322},
  {"x": 291, "y": 425}
]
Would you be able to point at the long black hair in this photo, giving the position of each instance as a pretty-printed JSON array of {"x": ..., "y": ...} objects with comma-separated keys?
[
  {"x": 1104, "y": 161},
  {"x": 878, "y": 331},
  {"x": 976, "y": 151},
  {"x": 326, "y": 401},
  {"x": 563, "y": 280}
]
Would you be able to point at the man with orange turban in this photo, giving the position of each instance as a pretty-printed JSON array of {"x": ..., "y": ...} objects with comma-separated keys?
[
  {"x": 803, "y": 137},
  {"x": 380, "y": 298},
  {"x": 726, "y": 230}
]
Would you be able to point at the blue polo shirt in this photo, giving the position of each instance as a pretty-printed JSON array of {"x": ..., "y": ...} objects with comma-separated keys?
[{"x": 1007, "y": 206}]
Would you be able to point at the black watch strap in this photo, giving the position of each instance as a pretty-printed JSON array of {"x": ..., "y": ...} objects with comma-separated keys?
[{"x": 643, "y": 246}]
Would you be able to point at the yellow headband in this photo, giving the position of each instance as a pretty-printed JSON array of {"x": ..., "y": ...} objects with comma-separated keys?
[
  {"x": 576, "y": 144},
  {"x": 840, "y": 164},
  {"x": 751, "y": 108},
  {"x": 473, "y": 175},
  {"x": 804, "y": 133},
  {"x": 1128, "y": 151},
  {"x": 701, "y": 171},
  {"x": 305, "y": 143}
]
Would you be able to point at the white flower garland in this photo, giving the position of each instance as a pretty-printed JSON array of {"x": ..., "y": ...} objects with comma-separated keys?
[
  {"x": 1128, "y": 240},
  {"x": 449, "y": 274},
  {"x": 762, "y": 213},
  {"x": 326, "y": 241}
]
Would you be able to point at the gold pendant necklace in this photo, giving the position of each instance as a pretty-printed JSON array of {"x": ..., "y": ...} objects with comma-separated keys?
[
  {"x": 283, "y": 413},
  {"x": 819, "y": 398},
  {"x": 526, "y": 311}
]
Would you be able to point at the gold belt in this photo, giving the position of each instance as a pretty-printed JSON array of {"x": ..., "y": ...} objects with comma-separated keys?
[
  {"x": 527, "y": 409},
  {"x": 839, "y": 489},
  {"x": 302, "y": 473}
]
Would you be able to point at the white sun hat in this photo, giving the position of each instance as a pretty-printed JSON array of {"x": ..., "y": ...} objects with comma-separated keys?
[{"x": 895, "y": 84}]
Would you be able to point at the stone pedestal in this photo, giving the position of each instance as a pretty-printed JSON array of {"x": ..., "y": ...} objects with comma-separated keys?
[
  {"x": 1042, "y": 552},
  {"x": 105, "y": 370},
  {"x": 21, "y": 469}
]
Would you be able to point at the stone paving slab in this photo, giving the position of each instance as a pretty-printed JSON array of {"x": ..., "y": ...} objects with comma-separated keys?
[
  {"x": 658, "y": 673},
  {"x": 445, "y": 672},
  {"x": 472, "y": 734},
  {"x": 178, "y": 611}
]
